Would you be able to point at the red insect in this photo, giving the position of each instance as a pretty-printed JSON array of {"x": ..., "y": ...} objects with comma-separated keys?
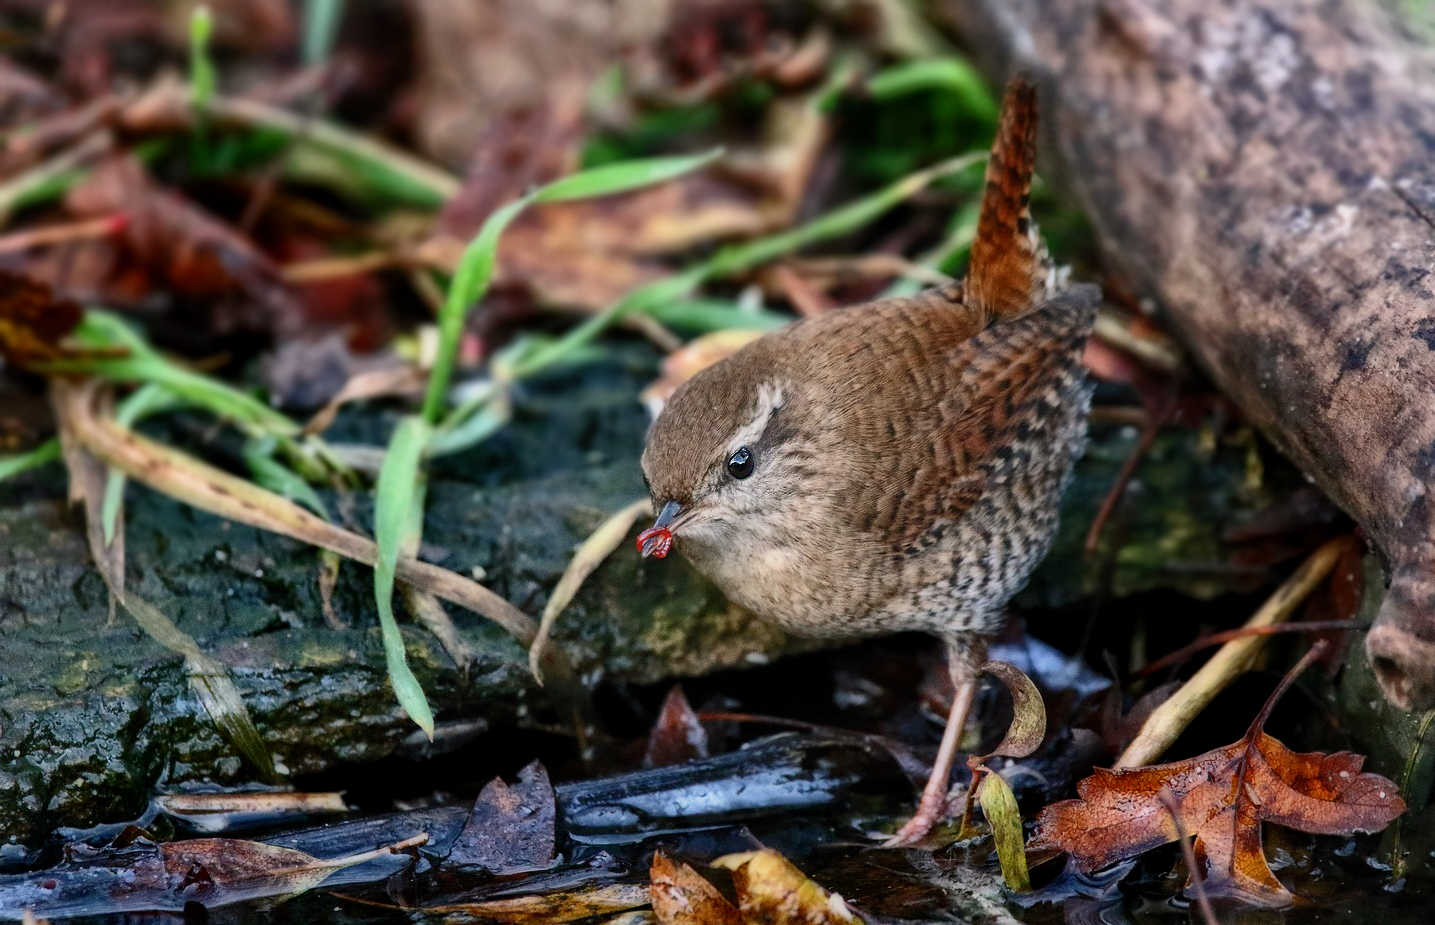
[{"x": 659, "y": 538}]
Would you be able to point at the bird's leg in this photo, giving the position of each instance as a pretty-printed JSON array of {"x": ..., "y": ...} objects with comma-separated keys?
[{"x": 962, "y": 658}]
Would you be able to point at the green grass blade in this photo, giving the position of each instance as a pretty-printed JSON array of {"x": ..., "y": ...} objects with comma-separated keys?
[
  {"x": 642, "y": 299},
  {"x": 201, "y": 68},
  {"x": 395, "y": 521},
  {"x": 475, "y": 267},
  {"x": 622, "y": 177},
  {"x": 649, "y": 297},
  {"x": 838, "y": 222},
  {"x": 150, "y": 398},
  {"x": 703, "y": 316},
  {"x": 473, "y": 427},
  {"x": 279, "y": 478},
  {"x": 321, "y": 24},
  {"x": 47, "y": 452},
  {"x": 475, "y": 271},
  {"x": 145, "y": 365},
  {"x": 952, "y": 74}
]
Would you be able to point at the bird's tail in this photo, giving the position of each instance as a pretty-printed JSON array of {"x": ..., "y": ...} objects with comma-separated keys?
[{"x": 1010, "y": 272}]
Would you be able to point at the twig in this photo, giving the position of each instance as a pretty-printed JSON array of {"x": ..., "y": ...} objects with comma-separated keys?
[
  {"x": 1215, "y": 639},
  {"x": 62, "y": 234},
  {"x": 1167, "y": 722},
  {"x": 1198, "y": 879},
  {"x": 595, "y": 549},
  {"x": 1159, "y": 353},
  {"x": 19, "y": 189},
  {"x": 326, "y": 268},
  {"x": 1128, "y": 470}
]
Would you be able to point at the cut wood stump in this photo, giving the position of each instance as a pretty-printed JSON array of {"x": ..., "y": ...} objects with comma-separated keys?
[{"x": 1266, "y": 171}]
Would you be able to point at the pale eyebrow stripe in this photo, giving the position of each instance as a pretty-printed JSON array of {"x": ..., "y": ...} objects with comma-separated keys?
[{"x": 769, "y": 399}]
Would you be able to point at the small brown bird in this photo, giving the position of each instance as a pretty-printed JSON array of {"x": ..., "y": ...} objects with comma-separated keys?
[{"x": 897, "y": 465}]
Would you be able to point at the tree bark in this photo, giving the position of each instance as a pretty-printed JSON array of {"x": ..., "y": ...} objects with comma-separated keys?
[{"x": 1266, "y": 170}]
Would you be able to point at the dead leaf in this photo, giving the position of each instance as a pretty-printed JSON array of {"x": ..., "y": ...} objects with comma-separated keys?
[
  {"x": 511, "y": 828},
  {"x": 1224, "y": 796},
  {"x": 1024, "y": 736},
  {"x": 771, "y": 889},
  {"x": 130, "y": 876},
  {"x": 518, "y": 150},
  {"x": 587, "y": 254},
  {"x": 682, "y": 896},
  {"x": 216, "y": 870},
  {"x": 574, "y": 905},
  {"x": 713, "y": 45},
  {"x": 677, "y": 736},
  {"x": 183, "y": 249},
  {"x": 1004, "y": 816},
  {"x": 1028, "y": 722},
  {"x": 375, "y": 383},
  {"x": 34, "y": 323},
  {"x": 479, "y": 60}
]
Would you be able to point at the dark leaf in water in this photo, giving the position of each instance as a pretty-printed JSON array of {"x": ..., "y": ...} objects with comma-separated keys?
[
  {"x": 772, "y": 777},
  {"x": 209, "y": 871},
  {"x": 677, "y": 736},
  {"x": 510, "y": 829},
  {"x": 216, "y": 870}
]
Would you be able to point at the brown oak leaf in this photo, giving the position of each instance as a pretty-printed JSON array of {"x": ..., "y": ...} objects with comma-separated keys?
[{"x": 1223, "y": 796}]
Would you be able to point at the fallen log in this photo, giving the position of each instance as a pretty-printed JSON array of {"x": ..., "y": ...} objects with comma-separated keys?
[{"x": 1266, "y": 170}]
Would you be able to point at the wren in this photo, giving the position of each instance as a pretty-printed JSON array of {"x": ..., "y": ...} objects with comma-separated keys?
[{"x": 896, "y": 465}]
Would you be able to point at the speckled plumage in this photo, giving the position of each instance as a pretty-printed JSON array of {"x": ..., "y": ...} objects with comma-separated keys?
[
  {"x": 908, "y": 455},
  {"x": 908, "y": 480}
]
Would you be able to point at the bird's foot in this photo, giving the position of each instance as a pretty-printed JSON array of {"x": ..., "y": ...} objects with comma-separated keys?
[
  {"x": 932, "y": 808},
  {"x": 929, "y": 813}
]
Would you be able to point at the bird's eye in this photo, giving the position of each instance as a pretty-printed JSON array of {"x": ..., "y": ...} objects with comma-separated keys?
[{"x": 739, "y": 465}]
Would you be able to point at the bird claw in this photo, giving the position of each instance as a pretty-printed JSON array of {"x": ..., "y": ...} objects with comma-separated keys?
[{"x": 916, "y": 829}]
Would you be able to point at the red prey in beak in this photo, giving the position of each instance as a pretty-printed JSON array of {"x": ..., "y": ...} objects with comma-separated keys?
[{"x": 658, "y": 539}]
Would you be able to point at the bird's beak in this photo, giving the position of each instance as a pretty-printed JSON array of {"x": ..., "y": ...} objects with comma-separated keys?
[{"x": 658, "y": 539}]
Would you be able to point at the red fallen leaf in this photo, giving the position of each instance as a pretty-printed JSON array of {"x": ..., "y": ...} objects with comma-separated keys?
[
  {"x": 1223, "y": 796},
  {"x": 34, "y": 323},
  {"x": 677, "y": 736}
]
